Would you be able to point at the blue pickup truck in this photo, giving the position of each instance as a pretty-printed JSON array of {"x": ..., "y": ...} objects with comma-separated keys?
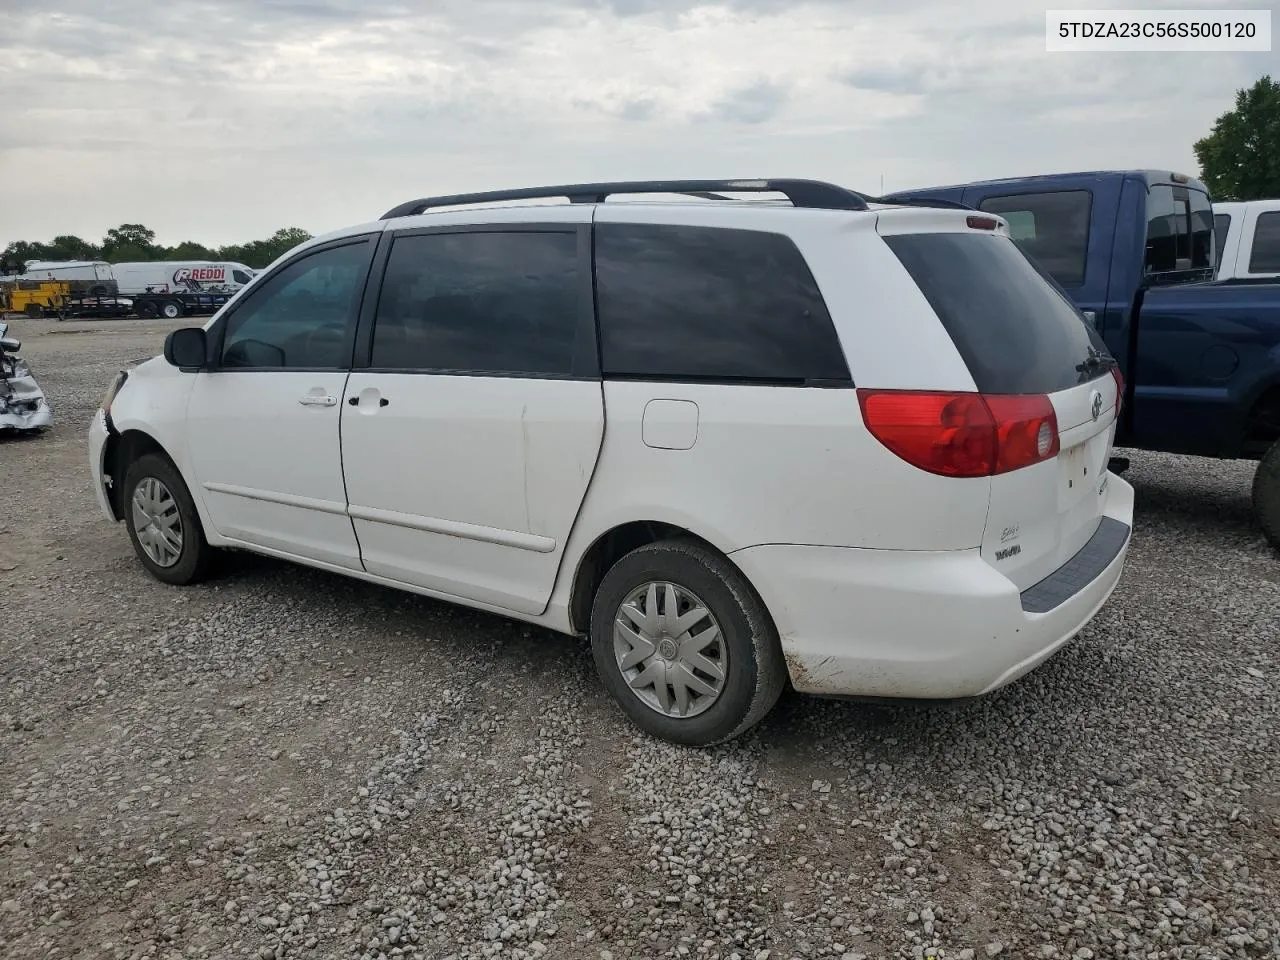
[{"x": 1135, "y": 250}]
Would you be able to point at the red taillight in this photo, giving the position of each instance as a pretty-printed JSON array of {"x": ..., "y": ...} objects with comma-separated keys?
[
  {"x": 962, "y": 434},
  {"x": 982, "y": 223},
  {"x": 1119, "y": 379}
]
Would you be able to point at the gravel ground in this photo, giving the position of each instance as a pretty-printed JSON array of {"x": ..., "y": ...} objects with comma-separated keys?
[{"x": 284, "y": 763}]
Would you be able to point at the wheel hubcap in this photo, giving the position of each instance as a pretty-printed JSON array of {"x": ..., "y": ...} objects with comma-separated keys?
[
  {"x": 670, "y": 649},
  {"x": 157, "y": 522}
]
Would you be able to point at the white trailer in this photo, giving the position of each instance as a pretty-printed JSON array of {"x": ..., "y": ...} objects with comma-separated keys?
[
  {"x": 92, "y": 277},
  {"x": 181, "y": 276}
]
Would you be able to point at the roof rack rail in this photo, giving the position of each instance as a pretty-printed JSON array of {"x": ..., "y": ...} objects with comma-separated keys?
[
  {"x": 922, "y": 202},
  {"x": 802, "y": 193}
]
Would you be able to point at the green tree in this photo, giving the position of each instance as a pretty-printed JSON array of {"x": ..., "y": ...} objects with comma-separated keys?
[
  {"x": 16, "y": 254},
  {"x": 190, "y": 250},
  {"x": 1240, "y": 158},
  {"x": 68, "y": 247},
  {"x": 130, "y": 241}
]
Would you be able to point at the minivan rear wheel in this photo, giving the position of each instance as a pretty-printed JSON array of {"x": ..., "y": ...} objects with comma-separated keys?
[
  {"x": 1266, "y": 495},
  {"x": 684, "y": 645}
]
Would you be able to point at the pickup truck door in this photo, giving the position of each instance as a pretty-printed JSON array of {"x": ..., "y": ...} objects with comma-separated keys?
[{"x": 474, "y": 413}]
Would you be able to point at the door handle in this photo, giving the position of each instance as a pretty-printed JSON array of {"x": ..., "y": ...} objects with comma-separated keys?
[{"x": 317, "y": 400}]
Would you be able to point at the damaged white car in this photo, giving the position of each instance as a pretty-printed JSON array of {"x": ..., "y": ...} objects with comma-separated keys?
[{"x": 22, "y": 403}]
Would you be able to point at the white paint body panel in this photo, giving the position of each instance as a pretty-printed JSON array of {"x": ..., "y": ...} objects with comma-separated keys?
[
  {"x": 1236, "y": 248},
  {"x": 1050, "y": 510},
  {"x": 267, "y": 465},
  {"x": 914, "y": 624},
  {"x": 469, "y": 485},
  {"x": 490, "y": 491}
]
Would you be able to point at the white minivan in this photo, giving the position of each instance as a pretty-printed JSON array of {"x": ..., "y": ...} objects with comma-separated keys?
[{"x": 856, "y": 447}]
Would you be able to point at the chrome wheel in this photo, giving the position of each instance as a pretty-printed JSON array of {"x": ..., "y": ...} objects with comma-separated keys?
[
  {"x": 670, "y": 649},
  {"x": 157, "y": 522}
]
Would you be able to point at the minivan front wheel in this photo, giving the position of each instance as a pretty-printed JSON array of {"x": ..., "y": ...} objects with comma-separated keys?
[
  {"x": 684, "y": 645},
  {"x": 164, "y": 526}
]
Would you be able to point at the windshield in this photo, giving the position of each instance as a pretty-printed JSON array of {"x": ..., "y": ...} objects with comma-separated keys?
[{"x": 1179, "y": 234}]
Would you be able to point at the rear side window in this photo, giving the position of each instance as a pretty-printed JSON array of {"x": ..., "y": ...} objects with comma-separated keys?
[
  {"x": 1221, "y": 226},
  {"x": 706, "y": 303},
  {"x": 1179, "y": 230},
  {"x": 480, "y": 302},
  {"x": 1265, "y": 255},
  {"x": 1051, "y": 228},
  {"x": 1014, "y": 330}
]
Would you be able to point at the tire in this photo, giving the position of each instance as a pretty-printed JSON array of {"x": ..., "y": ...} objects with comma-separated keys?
[
  {"x": 34, "y": 311},
  {"x": 171, "y": 309},
  {"x": 755, "y": 673},
  {"x": 193, "y": 556},
  {"x": 98, "y": 291},
  {"x": 1266, "y": 495},
  {"x": 148, "y": 310}
]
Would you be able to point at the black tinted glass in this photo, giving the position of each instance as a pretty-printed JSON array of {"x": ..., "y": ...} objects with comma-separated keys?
[
  {"x": 480, "y": 302},
  {"x": 704, "y": 303},
  {"x": 1179, "y": 230},
  {"x": 1265, "y": 254},
  {"x": 302, "y": 315},
  {"x": 1014, "y": 330},
  {"x": 1201, "y": 229},
  {"x": 1221, "y": 225},
  {"x": 1051, "y": 228}
]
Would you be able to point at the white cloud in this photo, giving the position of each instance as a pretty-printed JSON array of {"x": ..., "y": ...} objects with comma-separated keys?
[{"x": 220, "y": 120}]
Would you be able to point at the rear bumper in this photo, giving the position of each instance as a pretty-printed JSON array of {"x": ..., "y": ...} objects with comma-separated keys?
[
  {"x": 98, "y": 435},
  {"x": 928, "y": 625}
]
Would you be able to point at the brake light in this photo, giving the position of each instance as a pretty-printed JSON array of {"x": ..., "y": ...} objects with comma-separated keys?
[
  {"x": 1119, "y": 379},
  {"x": 982, "y": 223},
  {"x": 962, "y": 434}
]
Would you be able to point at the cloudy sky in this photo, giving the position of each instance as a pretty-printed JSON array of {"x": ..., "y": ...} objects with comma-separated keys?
[{"x": 221, "y": 120}]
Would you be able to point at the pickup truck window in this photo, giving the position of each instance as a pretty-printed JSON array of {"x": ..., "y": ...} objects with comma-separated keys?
[
  {"x": 1265, "y": 255},
  {"x": 1221, "y": 225},
  {"x": 1051, "y": 228},
  {"x": 1015, "y": 331},
  {"x": 1179, "y": 230}
]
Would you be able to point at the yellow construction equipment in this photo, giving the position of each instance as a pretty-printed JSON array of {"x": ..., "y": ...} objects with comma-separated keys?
[{"x": 35, "y": 298}]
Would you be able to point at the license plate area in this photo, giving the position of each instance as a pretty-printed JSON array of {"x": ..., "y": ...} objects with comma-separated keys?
[{"x": 1081, "y": 469}]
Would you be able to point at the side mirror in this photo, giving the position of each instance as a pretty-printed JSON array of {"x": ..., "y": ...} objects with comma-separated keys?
[{"x": 186, "y": 348}]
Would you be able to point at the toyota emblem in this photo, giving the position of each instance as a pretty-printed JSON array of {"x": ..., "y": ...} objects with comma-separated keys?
[{"x": 1097, "y": 404}]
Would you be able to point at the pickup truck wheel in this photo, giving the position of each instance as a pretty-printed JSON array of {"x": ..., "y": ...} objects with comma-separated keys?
[
  {"x": 1266, "y": 495},
  {"x": 171, "y": 309},
  {"x": 684, "y": 645},
  {"x": 163, "y": 524}
]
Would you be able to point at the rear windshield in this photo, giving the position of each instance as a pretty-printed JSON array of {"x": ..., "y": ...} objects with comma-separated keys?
[{"x": 1014, "y": 329}]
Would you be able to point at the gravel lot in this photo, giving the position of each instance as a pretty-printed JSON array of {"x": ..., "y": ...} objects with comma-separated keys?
[{"x": 284, "y": 763}]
